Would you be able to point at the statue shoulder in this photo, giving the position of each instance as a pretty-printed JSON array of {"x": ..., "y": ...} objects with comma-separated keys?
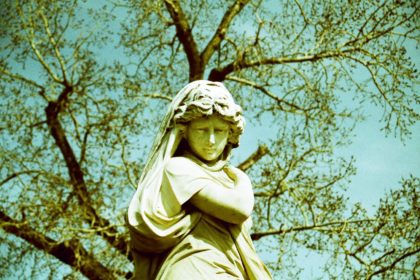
[{"x": 179, "y": 165}]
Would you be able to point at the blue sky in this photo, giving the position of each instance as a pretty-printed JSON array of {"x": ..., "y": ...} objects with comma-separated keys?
[{"x": 381, "y": 161}]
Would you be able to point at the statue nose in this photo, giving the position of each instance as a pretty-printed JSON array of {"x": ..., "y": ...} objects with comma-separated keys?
[{"x": 212, "y": 139}]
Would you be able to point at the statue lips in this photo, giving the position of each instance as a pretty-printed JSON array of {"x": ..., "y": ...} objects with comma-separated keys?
[{"x": 209, "y": 150}]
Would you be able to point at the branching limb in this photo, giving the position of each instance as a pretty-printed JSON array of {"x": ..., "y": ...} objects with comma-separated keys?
[
  {"x": 222, "y": 29},
  {"x": 70, "y": 252},
  {"x": 374, "y": 80},
  {"x": 279, "y": 100},
  {"x": 20, "y": 78},
  {"x": 184, "y": 34},
  {"x": 17, "y": 174},
  {"x": 159, "y": 96},
  {"x": 394, "y": 263},
  {"x": 76, "y": 175},
  {"x": 320, "y": 227},
  {"x": 252, "y": 159},
  {"x": 30, "y": 37},
  {"x": 54, "y": 45},
  {"x": 240, "y": 64},
  {"x": 305, "y": 25}
]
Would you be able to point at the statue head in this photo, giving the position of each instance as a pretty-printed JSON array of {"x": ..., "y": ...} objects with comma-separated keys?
[{"x": 205, "y": 99}]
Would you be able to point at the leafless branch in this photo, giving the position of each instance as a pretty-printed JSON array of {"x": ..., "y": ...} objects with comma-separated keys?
[
  {"x": 184, "y": 34},
  {"x": 70, "y": 252},
  {"x": 325, "y": 226},
  {"x": 54, "y": 45},
  {"x": 240, "y": 64},
  {"x": 374, "y": 79},
  {"x": 30, "y": 37},
  {"x": 394, "y": 263},
  {"x": 25, "y": 80},
  {"x": 220, "y": 33},
  {"x": 159, "y": 96},
  {"x": 265, "y": 91},
  {"x": 17, "y": 174},
  {"x": 76, "y": 174},
  {"x": 252, "y": 159}
]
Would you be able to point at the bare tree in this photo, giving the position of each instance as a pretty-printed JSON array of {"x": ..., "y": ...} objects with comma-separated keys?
[{"x": 83, "y": 85}]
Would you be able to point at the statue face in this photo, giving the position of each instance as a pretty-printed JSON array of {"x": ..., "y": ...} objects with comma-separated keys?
[{"x": 207, "y": 137}]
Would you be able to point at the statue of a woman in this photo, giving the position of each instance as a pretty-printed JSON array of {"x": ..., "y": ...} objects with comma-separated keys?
[{"x": 190, "y": 216}]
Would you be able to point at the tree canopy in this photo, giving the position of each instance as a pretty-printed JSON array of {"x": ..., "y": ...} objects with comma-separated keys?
[{"x": 83, "y": 85}]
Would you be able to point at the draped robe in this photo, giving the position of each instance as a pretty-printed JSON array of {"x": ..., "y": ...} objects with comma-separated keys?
[
  {"x": 212, "y": 248},
  {"x": 172, "y": 240}
]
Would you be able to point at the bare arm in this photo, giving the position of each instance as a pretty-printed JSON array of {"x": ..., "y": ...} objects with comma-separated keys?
[{"x": 230, "y": 205}]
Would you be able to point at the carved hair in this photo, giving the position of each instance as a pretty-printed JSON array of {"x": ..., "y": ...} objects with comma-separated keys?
[{"x": 211, "y": 98}]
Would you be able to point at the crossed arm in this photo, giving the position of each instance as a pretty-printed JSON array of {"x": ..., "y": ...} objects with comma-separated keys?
[{"x": 230, "y": 205}]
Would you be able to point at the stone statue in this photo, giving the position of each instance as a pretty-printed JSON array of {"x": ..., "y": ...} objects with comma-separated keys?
[{"x": 190, "y": 216}]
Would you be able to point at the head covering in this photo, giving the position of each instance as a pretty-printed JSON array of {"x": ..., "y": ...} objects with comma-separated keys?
[{"x": 212, "y": 98}]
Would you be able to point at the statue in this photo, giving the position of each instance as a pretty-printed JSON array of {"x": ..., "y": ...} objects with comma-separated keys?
[{"x": 190, "y": 216}]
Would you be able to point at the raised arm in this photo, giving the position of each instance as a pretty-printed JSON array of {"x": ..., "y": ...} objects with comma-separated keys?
[{"x": 230, "y": 205}]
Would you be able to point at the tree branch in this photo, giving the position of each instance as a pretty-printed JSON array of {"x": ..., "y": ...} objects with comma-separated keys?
[
  {"x": 393, "y": 264},
  {"x": 17, "y": 174},
  {"x": 184, "y": 34},
  {"x": 252, "y": 159},
  {"x": 221, "y": 30},
  {"x": 374, "y": 80},
  {"x": 258, "y": 235},
  {"x": 159, "y": 96},
  {"x": 54, "y": 44},
  {"x": 265, "y": 91},
  {"x": 20, "y": 78},
  {"x": 30, "y": 36},
  {"x": 240, "y": 63},
  {"x": 70, "y": 252},
  {"x": 77, "y": 176}
]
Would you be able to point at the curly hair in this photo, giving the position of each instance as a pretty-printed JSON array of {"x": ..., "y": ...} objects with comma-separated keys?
[{"x": 206, "y": 98}]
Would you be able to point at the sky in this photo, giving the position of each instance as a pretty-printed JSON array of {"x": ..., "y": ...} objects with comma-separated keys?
[{"x": 381, "y": 161}]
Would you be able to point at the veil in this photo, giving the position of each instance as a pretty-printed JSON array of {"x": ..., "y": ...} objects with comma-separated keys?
[{"x": 151, "y": 229}]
